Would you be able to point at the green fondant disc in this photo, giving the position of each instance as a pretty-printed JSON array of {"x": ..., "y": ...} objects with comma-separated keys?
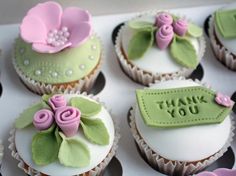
[
  {"x": 69, "y": 65},
  {"x": 180, "y": 107}
]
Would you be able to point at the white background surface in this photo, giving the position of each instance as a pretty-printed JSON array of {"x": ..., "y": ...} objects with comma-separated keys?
[{"x": 118, "y": 93}]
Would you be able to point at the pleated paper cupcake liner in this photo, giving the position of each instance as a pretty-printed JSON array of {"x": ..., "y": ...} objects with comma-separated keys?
[
  {"x": 97, "y": 171},
  {"x": 170, "y": 167},
  {"x": 83, "y": 84},
  {"x": 221, "y": 53},
  {"x": 141, "y": 76}
]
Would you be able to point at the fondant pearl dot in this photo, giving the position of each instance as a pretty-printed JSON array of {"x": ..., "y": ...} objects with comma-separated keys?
[
  {"x": 66, "y": 34},
  {"x": 92, "y": 37},
  {"x": 26, "y": 62},
  {"x": 50, "y": 40},
  {"x": 69, "y": 72},
  {"x": 91, "y": 57},
  {"x": 64, "y": 29},
  {"x": 38, "y": 72},
  {"x": 55, "y": 31},
  {"x": 50, "y": 34},
  {"x": 60, "y": 33},
  {"x": 54, "y": 74},
  {"x": 82, "y": 66},
  {"x": 22, "y": 50},
  {"x": 94, "y": 47}
]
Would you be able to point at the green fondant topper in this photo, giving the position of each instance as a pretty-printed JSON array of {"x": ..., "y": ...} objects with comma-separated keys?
[
  {"x": 180, "y": 107},
  {"x": 226, "y": 23}
]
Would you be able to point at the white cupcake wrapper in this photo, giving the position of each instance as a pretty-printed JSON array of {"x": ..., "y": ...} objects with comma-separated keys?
[
  {"x": 175, "y": 167},
  {"x": 83, "y": 84},
  {"x": 221, "y": 53},
  {"x": 1, "y": 152},
  {"x": 142, "y": 76},
  {"x": 99, "y": 169}
]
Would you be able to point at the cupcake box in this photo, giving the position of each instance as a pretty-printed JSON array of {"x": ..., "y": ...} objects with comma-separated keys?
[{"x": 118, "y": 93}]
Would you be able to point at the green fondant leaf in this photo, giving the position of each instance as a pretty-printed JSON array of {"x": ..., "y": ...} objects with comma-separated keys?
[
  {"x": 139, "y": 44},
  {"x": 180, "y": 107},
  {"x": 73, "y": 152},
  {"x": 26, "y": 118},
  {"x": 87, "y": 108},
  {"x": 141, "y": 25},
  {"x": 95, "y": 131},
  {"x": 45, "y": 147},
  {"x": 46, "y": 97},
  {"x": 226, "y": 23},
  {"x": 58, "y": 137},
  {"x": 194, "y": 30},
  {"x": 183, "y": 52}
]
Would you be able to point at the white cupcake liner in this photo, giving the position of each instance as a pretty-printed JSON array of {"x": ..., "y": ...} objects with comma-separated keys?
[
  {"x": 221, "y": 53},
  {"x": 167, "y": 166},
  {"x": 142, "y": 76},
  {"x": 83, "y": 84},
  {"x": 98, "y": 170}
]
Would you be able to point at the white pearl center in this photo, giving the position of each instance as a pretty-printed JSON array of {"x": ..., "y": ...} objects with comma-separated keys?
[{"x": 58, "y": 37}]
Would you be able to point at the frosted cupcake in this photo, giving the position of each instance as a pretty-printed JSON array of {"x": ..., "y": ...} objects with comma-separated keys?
[
  {"x": 151, "y": 46},
  {"x": 66, "y": 134},
  {"x": 181, "y": 126},
  {"x": 219, "y": 172},
  {"x": 57, "y": 50},
  {"x": 223, "y": 36}
]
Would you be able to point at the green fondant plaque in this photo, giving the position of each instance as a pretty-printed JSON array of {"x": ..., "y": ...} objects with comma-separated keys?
[
  {"x": 180, "y": 107},
  {"x": 226, "y": 23}
]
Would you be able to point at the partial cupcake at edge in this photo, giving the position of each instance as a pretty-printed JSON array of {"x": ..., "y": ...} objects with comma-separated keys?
[
  {"x": 153, "y": 45},
  {"x": 181, "y": 126},
  {"x": 57, "y": 49},
  {"x": 222, "y": 35},
  {"x": 64, "y": 135}
]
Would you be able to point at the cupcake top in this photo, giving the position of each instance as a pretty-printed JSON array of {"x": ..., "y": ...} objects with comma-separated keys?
[
  {"x": 65, "y": 134},
  {"x": 182, "y": 120},
  {"x": 219, "y": 172},
  {"x": 225, "y": 25},
  {"x": 53, "y": 47},
  {"x": 156, "y": 43}
]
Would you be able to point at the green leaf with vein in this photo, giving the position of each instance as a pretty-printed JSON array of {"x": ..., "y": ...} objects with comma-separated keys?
[
  {"x": 141, "y": 25},
  {"x": 95, "y": 131},
  {"x": 183, "y": 52},
  {"x": 87, "y": 108},
  {"x": 73, "y": 152},
  {"x": 26, "y": 118},
  {"x": 139, "y": 44},
  {"x": 45, "y": 147},
  {"x": 194, "y": 30}
]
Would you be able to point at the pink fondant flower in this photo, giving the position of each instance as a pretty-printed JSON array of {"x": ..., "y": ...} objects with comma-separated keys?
[
  {"x": 219, "y": 172},
  {"x": 163, "y": 18},
  {"x": 57, "y": 101},
  {"x": 43, "y": 119},
  {"x": 50, "y": 30},
  {"x": 180, "y": 27},
  {"x": 68, "y": 119},
  {"x": 224, "y": 100},
  {"x": 164, "y": 36}
]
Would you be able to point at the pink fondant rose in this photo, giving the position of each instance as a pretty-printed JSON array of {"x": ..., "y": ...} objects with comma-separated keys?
[
  {"x": 164, "y": 19},
  {"x": 50, "y": 30},
  {"x": 164, "y": 36},
  {"x": 224, "y": 100},
  {"x": 43, "y": 119},
  {"x": 57, "y": 101},
  {"x": 219, "y": 172},
  {"x": 68, "y": 118},
  {"x": 180, "y": 27}
]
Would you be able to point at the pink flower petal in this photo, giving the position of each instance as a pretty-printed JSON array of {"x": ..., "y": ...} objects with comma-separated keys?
[
  {"x": 79, "y": 33},
  {"x": 225, "y": 172},
  {"x": 206, "y": 173},
  {"x": 44, "y": 48},
  {"x": 32, "y": 30},
  {"x": 49, "y": 12},
  {"x": 74, "y": 15}
]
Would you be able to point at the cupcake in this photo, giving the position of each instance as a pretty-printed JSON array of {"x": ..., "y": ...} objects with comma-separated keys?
[
  {"x": 64, "y": 134},
  {"x": 154, "y": 45},
  {"x": 223, "y": 36},
  {"x": 181, "y": 126},
  {"x": 219, "y": 172},
  {"x": 57, "y": 50}
]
